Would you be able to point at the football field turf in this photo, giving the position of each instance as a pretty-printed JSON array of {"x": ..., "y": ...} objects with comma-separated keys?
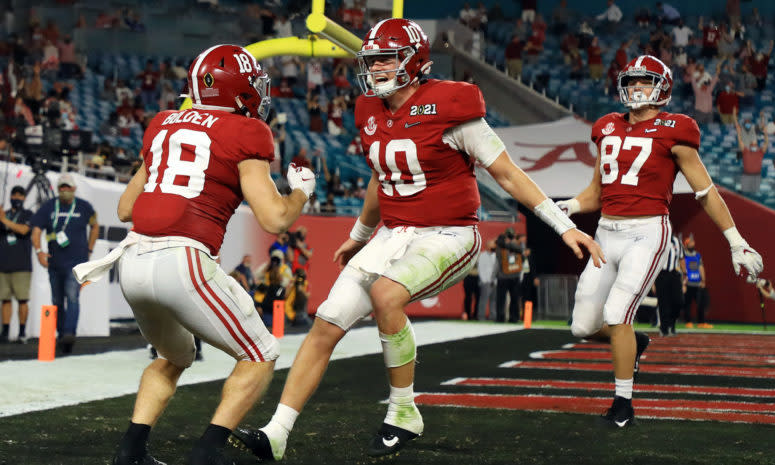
[{"x": 500, "y": 399}]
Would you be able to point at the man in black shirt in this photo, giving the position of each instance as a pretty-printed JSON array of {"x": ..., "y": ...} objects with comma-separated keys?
[{"x": 16, "y": 263}]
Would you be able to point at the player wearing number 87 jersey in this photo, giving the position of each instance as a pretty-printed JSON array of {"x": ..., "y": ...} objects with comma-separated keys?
[
  {"x": 640, "y": 153},
  {"x": 198, "y": 165},
  {"x": 422, "y": 138}
]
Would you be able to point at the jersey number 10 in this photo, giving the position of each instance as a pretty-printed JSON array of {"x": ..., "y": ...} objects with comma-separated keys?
[
  {"x": 175, "y": 165},
  {"x": 396, "y": 180},
  {"x": 610, "y": 147}
]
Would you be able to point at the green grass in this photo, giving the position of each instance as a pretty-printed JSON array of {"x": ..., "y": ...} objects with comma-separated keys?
[{"x": 341, "y": 417}]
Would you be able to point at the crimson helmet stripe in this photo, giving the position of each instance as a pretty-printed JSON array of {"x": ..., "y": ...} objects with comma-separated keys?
[{"x": 194, "y": 81}]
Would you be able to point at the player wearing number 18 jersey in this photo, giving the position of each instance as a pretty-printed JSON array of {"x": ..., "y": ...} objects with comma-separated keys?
[
  {"x": 422, "y": 138},
  {"x": 640, "y": 153},
  {"x": 198, "y": 165}
]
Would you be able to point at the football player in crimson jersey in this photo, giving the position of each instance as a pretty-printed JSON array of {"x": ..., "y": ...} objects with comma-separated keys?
[
  {"x": 198, "y": 165},
  {"x": 422, "y": 139},
  {"x": 640, "y": 153}
]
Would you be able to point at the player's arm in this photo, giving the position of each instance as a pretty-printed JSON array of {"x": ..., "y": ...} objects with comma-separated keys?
[
  {"x": 691, "y": 166},
  {"x": 133, "y": 190},
  {"x": 364, "y": 225},
  {"x": 94, "y": 232},
  {"x": 589, "y": 199},
  {"x": 275, "y": 213}
]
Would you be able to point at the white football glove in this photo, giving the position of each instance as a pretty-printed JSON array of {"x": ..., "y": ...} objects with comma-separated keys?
[
  {"x": 569, "y": 207},
  {"x": 301, "y": 177},
  {"x": 745, "y": 255}
]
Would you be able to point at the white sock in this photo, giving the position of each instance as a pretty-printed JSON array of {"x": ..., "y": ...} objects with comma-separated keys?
[
  {"x": 279, "y": 427},
  {"x": 624, "y": 388},
  {"x": 401, "y": 410}
]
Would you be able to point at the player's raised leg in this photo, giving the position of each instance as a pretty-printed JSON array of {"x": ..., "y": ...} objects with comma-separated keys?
[{"x": 403, "y": 421}]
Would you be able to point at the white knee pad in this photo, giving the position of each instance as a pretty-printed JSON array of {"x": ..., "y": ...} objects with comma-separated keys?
[
  {"x": 399, "y": 348},
  {"x": 348, "y": 301}
]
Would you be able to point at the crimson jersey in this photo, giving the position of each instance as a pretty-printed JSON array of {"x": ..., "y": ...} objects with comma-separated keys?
[
  {"x": 193, "y": 185},
  {"x": 423, "y": 181},
  {"x": 637, "y": 166}
]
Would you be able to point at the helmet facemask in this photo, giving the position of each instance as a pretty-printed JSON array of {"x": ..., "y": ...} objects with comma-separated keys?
[
  {"x": 375, "y": 83},
  {"x": 630, "y": 78}
]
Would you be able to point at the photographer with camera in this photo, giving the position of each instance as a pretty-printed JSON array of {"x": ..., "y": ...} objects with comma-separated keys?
[
  {"x": 509, "y": 254},
  {"x": 296, "y": 302},
  {"x": 299, "y": 252},
  {"x": 275, "y": 277}
]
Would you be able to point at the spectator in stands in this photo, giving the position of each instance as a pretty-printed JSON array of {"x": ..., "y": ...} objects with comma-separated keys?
[
  {"x": 513, "y": 55},
  {"x": 16, "y": 265},
  {"x": 168, "y": 97},
  {"x": 243, "y": 273},
  {"x": 611, "y": 17},
  {"x": 123, "y": 92},
  {"x": 340, "y": 75},
  {"x": 733, "y": 11},
  {"x": 728, "y": 104},
  {"x": 569, "y": 42},
  {"x": 314, "y": 69},
  {"x": 50, "y": 63},
  {"x": 561, "y": 18},
  {"x": 336, "y": 110},
  {"x": 301, "y": 158},
  {"x": 585, "y": 35},
  {"x": 149, "y": 84},
  {"x": 105, "y": 21},
  {"x": 68, "y": 62},
  {"x": 682, "y": 34},
  {"x": 315, "y": 112},
  {"x": 703, "y": 95},
  {"x": 621, "y": 54},
  {"x": 753, "y": 155},
  {"x": 726, "y": 44},
  {"x": 520, "y": 29},
  {"x": 533, "y": 48},
  {"x": 312, "y": 207},
  {"x": 612, "y": 80},
  {"x": 31, "y": 89},
  {"x": 710, "y": 38},
  {"x": 355, "y": 148},
  {"x": 694, "y": 285},
  {"x": 576, "y": 65},
  {"x": 65, "y": 219},
  {"x": 595, "y": 60},
  {"x": 283, "y": 27},
  {"x": 282, "y": 243},
  {"x": 329, "y": 207},
  {"x": 467, "y": 15},
  {"x": 667, "y": 13},
  {"x": 529, "y": 280},
  {"x": 131, "y": 20},
  {"x": 759, "y": 64},
  {"x": 481, "y": 17},
  {"x": 643, "y": 17},
  {"x": 747, "y": 131},
  {"x": 737, "y": 31},
  {"x": 755, "y": 19},
  {"x": 529, "y": 10},
  {"x": 275, "y": 277}
]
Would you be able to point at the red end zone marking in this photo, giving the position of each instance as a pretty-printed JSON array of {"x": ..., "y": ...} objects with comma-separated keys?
[
  {"x": 596, "y": 386},
  {"x": 649, "y": 368},
  {"x": 679, "y": 349},
  {"x": 649, "y": 408},
  {"x": 649, "y": 356}
]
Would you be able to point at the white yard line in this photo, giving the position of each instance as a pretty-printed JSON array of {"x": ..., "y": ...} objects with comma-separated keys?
[{"x": 31, "y": 385}]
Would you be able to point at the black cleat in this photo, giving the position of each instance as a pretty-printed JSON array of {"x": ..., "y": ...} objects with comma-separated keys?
[
  {"x": 204, "y": 455},
  {"x": 389, "y": 439},
  {"x": 641, "y": 342},
  {"x": 255, "y": 441},
  {"x": 146, "y": 459},
  {"x": 621, "y": 413}
]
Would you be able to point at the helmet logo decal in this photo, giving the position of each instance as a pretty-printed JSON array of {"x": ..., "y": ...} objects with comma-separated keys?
[
  {"x": 371, "y": 126},
  {"x": 208, "y": 80}
]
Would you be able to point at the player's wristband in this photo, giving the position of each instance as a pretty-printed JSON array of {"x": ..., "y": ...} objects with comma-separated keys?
[
  {"x": 573, "y": 206},
  {"x": 37, "y": 251},
  {"x": 551, "y": 214},
  {"x": 734, "y": 238},
  {"x": 361, "y": 232}
]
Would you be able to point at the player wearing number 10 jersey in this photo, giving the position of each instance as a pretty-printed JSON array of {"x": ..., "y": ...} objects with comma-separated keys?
[
  {"x": 198, "y": 165},
  {"x": 640, "y": 153},
  {"x": 422, "y": 138}
]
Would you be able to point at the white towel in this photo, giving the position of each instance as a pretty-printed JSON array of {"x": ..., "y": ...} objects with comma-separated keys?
[{"x": 94, "y": 270}]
